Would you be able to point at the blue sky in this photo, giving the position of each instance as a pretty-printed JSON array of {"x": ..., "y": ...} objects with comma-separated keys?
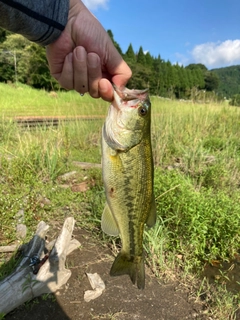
[{"x": 183, "y": 31}]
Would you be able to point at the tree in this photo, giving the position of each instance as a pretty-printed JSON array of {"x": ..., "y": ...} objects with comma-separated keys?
[
  {"x": 130, "y": 56},
  {"x": 10, "y": 54},
  {"x": 194, "y": 66},
  {"x": 211, "y": 81},
  {"x": 149, "y": 60},
  {"x": 141, "y": 56},
  {"x": 235, "y": 101},
  {"x": 116, "y": 45},
  {"x": 34, "y": 70}
]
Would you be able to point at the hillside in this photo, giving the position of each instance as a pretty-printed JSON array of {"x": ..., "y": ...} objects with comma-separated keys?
[{"x": 229, "y": 80}]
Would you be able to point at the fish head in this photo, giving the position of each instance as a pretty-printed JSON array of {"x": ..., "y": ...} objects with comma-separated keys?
[{"x": 128, "y": 120}]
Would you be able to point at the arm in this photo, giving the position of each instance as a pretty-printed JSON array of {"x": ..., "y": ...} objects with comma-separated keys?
[
  {"x": 39, "y": 21},
  {"x": 80, "y": 53}
]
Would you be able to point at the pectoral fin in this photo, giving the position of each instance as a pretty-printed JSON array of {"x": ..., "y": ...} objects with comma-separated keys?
[
  {"x": 108, "y": 223},
  {"x": 151, "y": 220}
]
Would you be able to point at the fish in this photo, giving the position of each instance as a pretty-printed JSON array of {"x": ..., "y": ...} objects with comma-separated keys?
[{"x": 128, "y": 178}]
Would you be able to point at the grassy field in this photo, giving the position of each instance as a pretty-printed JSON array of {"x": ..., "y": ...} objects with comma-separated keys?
[
  {"x": 22, "y": 100},
  {"x": 197, "y": 179}
]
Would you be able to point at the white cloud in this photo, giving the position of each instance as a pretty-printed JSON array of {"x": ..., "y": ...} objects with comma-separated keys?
[
  {"x": 217, "y": 54},
  {"x": 95, "y": 4}
]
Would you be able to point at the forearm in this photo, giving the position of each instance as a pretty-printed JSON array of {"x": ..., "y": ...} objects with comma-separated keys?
[{"x": 40, "y": 21}]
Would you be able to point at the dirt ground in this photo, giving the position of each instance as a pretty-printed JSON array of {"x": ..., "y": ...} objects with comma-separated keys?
[{"x": 119, "y": 301}]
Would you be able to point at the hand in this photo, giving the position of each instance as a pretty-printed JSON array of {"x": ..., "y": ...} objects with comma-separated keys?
[{"x": 84, "y": 58}]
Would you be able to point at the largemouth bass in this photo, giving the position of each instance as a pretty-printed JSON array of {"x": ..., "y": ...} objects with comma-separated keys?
[{"x": 128, "y": 179}]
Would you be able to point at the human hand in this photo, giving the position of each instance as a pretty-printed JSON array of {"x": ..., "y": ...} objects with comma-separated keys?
[{"x": 84, "y": 58}]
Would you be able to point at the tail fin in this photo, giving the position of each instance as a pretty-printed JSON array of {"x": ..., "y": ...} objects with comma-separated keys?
[{"x": 133, "y": 266}]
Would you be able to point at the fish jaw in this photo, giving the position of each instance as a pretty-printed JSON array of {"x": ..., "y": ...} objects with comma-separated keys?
[
  {"x": 126, "y": 98},
  {"x": 128, "y": 119}
]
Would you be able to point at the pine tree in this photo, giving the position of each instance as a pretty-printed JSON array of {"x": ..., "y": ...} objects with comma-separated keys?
[
  {"x": 130, "y": 56},
  {"x": 141, "y": 57},
  {"x": 149, "y": 60},
  {"x": 116, "y": 45}
]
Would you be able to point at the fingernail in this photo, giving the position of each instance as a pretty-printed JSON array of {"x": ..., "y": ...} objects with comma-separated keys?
[
  {"x": 80, "y": 53},
  {"x": 69, "y": 57}
]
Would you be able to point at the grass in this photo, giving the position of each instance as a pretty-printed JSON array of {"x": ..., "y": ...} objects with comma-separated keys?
[
  {"x": 22, "y": 100},
  {"x": 197, "y": 179}
]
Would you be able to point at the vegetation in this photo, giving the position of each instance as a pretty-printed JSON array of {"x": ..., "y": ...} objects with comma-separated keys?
[
  {"x": 229, "y": 81},
  {"x": 235, "y": 101},
  {"x": 197, "y": 173}
]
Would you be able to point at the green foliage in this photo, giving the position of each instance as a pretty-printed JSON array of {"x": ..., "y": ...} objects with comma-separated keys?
[
  {"x": 11, "y": 52},
  {"x": 235, "y": 101},
  {"x": 130, "y": 56},
  {"x": 34, "y": 69},
  {"x": 229, "y": 81},
  {"x": 141, "y": 56},
  {"x": 23, "y": 61},
  {"x": 193, "y": 66},
  {"x": 211, "y": 81},
  {"x": 202, "y": 225}
]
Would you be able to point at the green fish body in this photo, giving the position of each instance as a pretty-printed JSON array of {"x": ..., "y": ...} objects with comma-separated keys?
[{"x": 128, "y": 179}]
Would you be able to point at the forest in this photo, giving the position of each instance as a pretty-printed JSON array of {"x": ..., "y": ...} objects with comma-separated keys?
[{"x": 24, "y": 61}]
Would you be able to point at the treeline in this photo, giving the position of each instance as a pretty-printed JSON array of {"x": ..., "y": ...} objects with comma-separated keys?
[
  {"x": 229, "y": 78},
  {"x": 165, "y": 79},
  {"x": 24, "y": 61}
]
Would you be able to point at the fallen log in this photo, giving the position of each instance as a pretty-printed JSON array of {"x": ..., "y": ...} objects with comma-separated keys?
[{"x": 41, "y": 270}]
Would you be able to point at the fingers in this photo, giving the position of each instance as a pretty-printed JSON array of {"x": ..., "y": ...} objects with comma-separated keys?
[
  {"x": 80, "y": 70},
  {"x": 65, "y": 78},
  {"x": 94, "y": 74},
  {"x": 122, "y": 73},
  {"x": 105, "y": 90}
]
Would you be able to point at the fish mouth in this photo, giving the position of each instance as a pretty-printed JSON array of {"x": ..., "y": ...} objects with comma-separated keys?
[
  {"x": 128, "y": 98},
  {"x": 128, "y": 94}
]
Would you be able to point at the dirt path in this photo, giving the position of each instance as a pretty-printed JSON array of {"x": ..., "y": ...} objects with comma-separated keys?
[{"x": 120, "y": 300}]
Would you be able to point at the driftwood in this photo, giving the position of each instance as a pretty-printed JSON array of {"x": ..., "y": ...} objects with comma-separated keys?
[{"x": 41, "y": 270}]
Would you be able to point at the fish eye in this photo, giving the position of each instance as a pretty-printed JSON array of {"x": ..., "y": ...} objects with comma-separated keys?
[{"x": 142, "y": 111}]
